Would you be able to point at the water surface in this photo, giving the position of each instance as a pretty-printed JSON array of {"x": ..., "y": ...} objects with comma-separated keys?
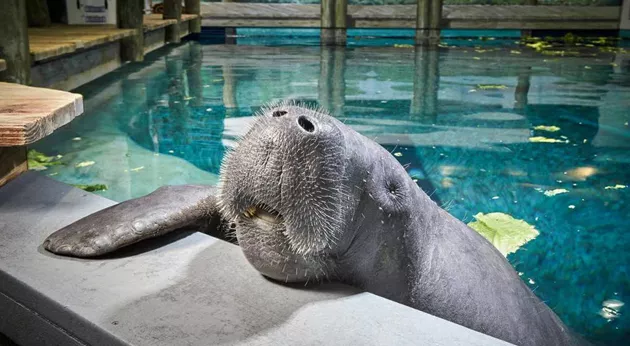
[{"x": 460, "y": 119}]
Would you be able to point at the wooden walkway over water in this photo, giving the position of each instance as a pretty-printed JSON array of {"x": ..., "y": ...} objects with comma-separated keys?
[{"x": 225, "y": 14}]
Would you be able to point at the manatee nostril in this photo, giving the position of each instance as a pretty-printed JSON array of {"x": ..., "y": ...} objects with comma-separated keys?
[
  {"x": 278, "y": 113},
  {"x": 306, "y": 124}
]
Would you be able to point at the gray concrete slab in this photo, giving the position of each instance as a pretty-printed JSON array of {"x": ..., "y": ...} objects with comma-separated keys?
[{"x": 184, "y": 289}]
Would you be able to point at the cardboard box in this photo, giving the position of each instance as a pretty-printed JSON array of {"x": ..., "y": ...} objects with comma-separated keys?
[{"x": 91, "y": 12}]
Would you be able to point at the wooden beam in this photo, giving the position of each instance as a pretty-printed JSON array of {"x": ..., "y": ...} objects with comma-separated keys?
[
  {"x": 341, "y": 21},
  {"x": 334, "y": 21},
  {"x": 12, "y": 163},
  {"x": 14, "y": 42},
  {"x": 194, "y": 7},
  {"x": 130, "y": 16},
  {"x": 37, "y": 13},
  {"x": 28, "y": 114},
  {"x": 173, "y": 10},
  {"x": 327, "y": 36},
  {"x": 423, "y": 9}
]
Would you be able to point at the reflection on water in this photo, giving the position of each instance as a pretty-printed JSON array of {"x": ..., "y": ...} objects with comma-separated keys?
[{"x": 461, "y": 120}]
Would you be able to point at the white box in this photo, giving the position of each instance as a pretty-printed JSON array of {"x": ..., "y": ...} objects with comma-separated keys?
[{"x": 91, "y": 11}]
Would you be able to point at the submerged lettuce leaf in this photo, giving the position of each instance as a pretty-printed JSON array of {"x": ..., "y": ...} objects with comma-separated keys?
[{"x": 506, "y": 233}]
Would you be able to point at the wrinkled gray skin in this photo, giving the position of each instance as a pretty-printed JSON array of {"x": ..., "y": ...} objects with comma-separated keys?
[{"x": 309, "y": 198}]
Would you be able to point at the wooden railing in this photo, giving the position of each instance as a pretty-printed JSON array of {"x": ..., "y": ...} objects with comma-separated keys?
[{"x": 428, "y": 17}]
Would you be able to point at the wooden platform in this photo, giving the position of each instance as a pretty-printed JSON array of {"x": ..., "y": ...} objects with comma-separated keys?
[
  {"x": 404, "y": 16},
  {"x": 57, "y": 40},
  {"x": 28, "y": 114},
  {"x": 155, "y": 21}
]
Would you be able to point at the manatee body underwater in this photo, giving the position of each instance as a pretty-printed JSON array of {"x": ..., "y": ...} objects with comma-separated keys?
[{"x": 309, "y": 199}]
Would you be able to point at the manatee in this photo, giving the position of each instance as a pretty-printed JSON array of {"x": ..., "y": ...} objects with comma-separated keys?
[{"x": 309, "y": 199}]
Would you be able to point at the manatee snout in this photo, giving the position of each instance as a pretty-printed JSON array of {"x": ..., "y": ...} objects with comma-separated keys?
[{"x": 283, "y": 186}]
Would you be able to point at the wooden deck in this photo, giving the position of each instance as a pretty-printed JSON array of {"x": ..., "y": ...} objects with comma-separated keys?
[
  {"x": 46, "y": 43},
  {"x": 154, "y": 21},
  {"x": 404, "y": 16},
  {"x": 57, "y": 40},
  {"x": 28, "y": 114}
]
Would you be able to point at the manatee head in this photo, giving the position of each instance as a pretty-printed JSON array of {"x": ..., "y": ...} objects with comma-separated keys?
[{"x": 299, "y": 188}]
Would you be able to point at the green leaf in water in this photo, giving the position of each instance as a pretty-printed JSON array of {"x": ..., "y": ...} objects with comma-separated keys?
[
  {"x": 491, "y": 86},
  {"x": 506, "y": 233},
  {"x": 39, "y": 162},
  {"x": 91, "y": 187},
  {"x": 547, "y": 128},
  {"x": 615, "y": 187},
  {"x": 540, "y": 139}
]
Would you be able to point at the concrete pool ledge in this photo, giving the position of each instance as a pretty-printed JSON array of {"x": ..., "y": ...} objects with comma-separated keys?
[{"x": 184, "y": 289}]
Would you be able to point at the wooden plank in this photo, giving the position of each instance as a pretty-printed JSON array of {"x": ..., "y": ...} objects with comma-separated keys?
[
  {"x": 227, "y": 10},
  {"x": 12, "y": 163},
  {"x": 261, "y": 23},
  {"x": 154, "y": 21},
  {"x": 58, "y": 39},
  {"x": 70, "y": 71},
  {"x": 28, "y": 114}
]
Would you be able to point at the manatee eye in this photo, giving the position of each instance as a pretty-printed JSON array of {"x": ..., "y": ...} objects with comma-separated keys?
[{"x": 278, "y": 113}]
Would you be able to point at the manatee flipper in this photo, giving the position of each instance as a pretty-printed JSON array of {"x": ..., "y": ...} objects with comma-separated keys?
[{"x": 164, "y": 210}]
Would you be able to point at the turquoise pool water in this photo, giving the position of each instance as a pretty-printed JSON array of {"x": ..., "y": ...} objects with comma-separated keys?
[{"x": 462, "y": 119}]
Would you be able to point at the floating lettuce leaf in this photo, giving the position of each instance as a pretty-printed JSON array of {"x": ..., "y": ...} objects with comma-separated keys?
[
  {"x": 491, "y": 87},
  {"x": 551, "y": 193},
  {"x": 506, "y": 233},
  {"x": 91, "y": 187},
  {"x": 540, "y": 139},
  {"x": 615, "y": 187},
  {"x": 85, "y": 164},
  {"x": 39, "y": 162},
  {"x": 547, "y": 128}
]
